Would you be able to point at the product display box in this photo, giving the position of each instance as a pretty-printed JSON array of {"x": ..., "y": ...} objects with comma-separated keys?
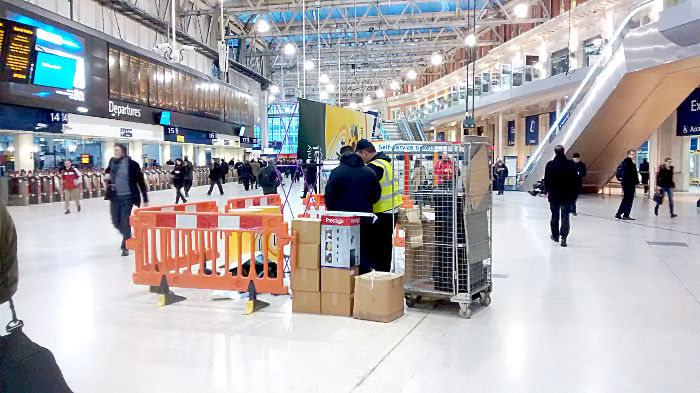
[
  {"x": 338, "y": 280},
  {"x": 379, "y": 296},
  {"x": 308, "y": 280},
  {"x": 339, "y": 304},
  {"x": 308, "y": 230},
  {"x": 306, "y": 302},
  {"x": 308, "y": 256},
  {"x": 340, "y": 240}
]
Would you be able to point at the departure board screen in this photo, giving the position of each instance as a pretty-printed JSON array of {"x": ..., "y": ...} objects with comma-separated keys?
[
  {"x": 17, "y": 56},
  {"x": 3, "y": 24}
]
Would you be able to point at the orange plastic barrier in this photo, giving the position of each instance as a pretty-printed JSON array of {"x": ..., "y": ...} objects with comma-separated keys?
[
  {"x": 193, "y": 207},
  {"x": 317, "y": 201},
  {"x": 195, "y": 250},
  {"x": 265, "y": 200}
]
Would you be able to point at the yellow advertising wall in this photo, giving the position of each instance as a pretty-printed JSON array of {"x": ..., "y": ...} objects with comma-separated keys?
[{"x": 345, "y": 127}]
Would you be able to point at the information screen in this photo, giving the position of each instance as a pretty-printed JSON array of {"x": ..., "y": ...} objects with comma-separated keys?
[
  {"x": 18, "y": 51},
  {"x": 55, "y": 71}
]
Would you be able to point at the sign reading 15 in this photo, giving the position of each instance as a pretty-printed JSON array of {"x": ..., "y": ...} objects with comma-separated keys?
[{"x": 172, "y": 130}]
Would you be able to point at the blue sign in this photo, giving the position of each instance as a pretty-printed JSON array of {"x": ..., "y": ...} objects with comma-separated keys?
[
  {"x": 552, "y": 119},
  {"x": 563, "y": 120},
  {"x": 688, "y": 119},
  {"x": 185, "y": 135},
  {"x": 54, "y": 71},
  {"x": 532, "y": 130},
  {"x": 165, "y": 118},
  {"x": 511, "y": 133},
  {"x": 125, "y": 132}
]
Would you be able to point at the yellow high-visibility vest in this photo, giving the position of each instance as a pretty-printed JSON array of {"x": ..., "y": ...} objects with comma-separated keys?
[{"x": 391, "y": 194}]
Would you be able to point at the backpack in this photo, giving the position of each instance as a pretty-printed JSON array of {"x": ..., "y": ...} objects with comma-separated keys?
[{"x": 620, "y": 172}]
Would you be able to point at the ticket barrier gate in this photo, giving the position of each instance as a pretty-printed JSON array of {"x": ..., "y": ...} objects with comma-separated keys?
[
  {"x": 18, "y": 191},
  {"x": 98, "y": 185},
  {"x": 164, "y": 179},
  {"x": 87, "y": 186},
  {"x": 57, "y": 190},
  {"x": 34, "y": 189},
  {"x": 46, "y": 181}
]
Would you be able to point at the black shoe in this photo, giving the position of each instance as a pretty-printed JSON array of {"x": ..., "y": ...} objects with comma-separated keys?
[
  {"x": 656, "y": 210},
  {"x": 555, "y": 239},
  {"x": 674, "y": 215},
  {"x": 67, "y": 212},
  {"x": 619, "y": 217},
  {"x": 125, "y": 252},
  {"x": 79, "y": 209},
  {"x": 627, "y": 218},
  {"x": 184, "y": 201},
  {"x": 574, "y": 213},
  {"x": 187, "y": 194},
  {"x": 563, "y": 242},
  {"x": 209, "y": 193}
]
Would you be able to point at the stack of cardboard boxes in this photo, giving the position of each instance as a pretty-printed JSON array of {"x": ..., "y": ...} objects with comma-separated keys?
[{"x": 306, "y": 276}]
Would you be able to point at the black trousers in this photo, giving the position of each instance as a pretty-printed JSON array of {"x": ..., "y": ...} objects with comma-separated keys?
[
  {"x": 120, "y": 210},
  {"x": 563, "y": 211},
  {"x": 178, "y": 195},
  {"x": 501, "y": 185},
  {"x": 379, "y": 241},
  {"x": 223, "y": 179},
  {"x": 188, "y": 185},
  {"x": 211, "y": 187},
  {"x": 307, "y": 188},
  {"x": 627, "y": 200},
  {"x": 269, "y": 191}
]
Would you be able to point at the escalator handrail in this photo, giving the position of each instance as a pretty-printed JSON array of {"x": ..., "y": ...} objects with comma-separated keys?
[
  {"x": 585, "y": 85},
  {"x": 404, "y": 128}
]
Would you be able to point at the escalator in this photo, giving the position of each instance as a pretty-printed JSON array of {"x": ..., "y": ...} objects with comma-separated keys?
[{"x": 638, "y": 81}]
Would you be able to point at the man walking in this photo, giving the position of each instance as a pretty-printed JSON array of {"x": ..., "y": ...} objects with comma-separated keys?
[
  {"x": 581, "y": 173},
  {"x": 627, "y": 175},
  {"x": 215, "y": 177},
  {"x": 353, "y": 187},
  {"x": 561, "y": 182},
  {"x": 388, "y": 204},
  {"x": 224, "y": 170},
  {"x": 71, "y": 186},
  {"x": 310, "y": 185},
  {"x": 644, "y": 173},
  {"x": 189, "y": 175},
  {"x": 125, "y": 188},
  {"x": 246, "y": 174},
  {"x": 255, "y": 168},
  {"x": 500, "y": 173},
  {"x": 268, "y": 178}
]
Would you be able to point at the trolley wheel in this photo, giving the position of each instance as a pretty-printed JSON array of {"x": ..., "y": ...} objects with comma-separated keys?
[
  {"x": 464, "y": 311},
  {"x": 485, "y": 298},
  {"x": 411, "y": 301}
]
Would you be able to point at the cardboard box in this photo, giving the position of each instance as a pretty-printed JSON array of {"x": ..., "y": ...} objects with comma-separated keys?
[
  {"x": 308, "y": 280},
  {"x": 340, "y": 241},
  {"x": 378, "y": 296},
  {"x": 308, "y": 256},
  {"x": 337, "y": 280},
  {"x": 306, "y": 302},
  {"x": 339, "y": 304},
  {"x": 308, "y": 230}
]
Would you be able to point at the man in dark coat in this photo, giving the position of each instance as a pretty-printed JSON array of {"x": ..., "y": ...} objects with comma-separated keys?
[
  {"x": 125, "y": 188},
  {"x": 561, "y": 182},
  {"x": 215, "y": 177},
  {"x": 644, "y": 173},
  {"x": 224, "y": 170},
  {"x": 629, "y": 180},
  {"x": 581, "y": 173},
  {"x": 310, "y": 185},
  {"x": 189, "y": 175},
  {"x": 269, "y": 179},
  {"x": 246, "y": 174},
  {"x": 353, "y": 187},
  {"x": 500, "y": 173}
]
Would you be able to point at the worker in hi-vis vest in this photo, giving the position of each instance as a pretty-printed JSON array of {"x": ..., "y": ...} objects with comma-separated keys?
[{"x": 382, "y": 230}]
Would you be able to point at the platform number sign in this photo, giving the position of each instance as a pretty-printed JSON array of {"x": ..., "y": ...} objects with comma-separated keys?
[
  {"x": 212, "y": 135},
  {"x": 58, "y": 117}
]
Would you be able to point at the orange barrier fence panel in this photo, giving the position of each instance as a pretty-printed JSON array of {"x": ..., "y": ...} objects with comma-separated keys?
[
  {"x": 224, "y": 251},
  {"x": 264, "y": 200}
]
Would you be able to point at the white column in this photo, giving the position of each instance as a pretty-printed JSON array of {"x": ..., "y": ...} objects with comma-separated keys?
[
  {"x": 653, "y": 158},
  {"x": 136, "y": 151},
  {"x": 188, "y": 150},
  {"x": 500, "y": 128},
  {"x": 107, "y": 151},
  {"x": 558, "y": 106},
  {"x": 166, "y": 153},
  {"x": 683, "y": 179},
  {"x": 24, "y": 151},
  {"x": 201, "y": 156}
]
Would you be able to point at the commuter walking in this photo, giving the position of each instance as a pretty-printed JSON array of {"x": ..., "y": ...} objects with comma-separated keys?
[
  {"x": 353, "y": 187},
  {"x": 125, "y": 188},
  {"x": 311, "y": 177},
  {"x": 179, "y": 173},
  {"x": 269, "y": 179},
  {"x": 255, "y": 168},
  {"x": 627, "y": 175},
  {"x": 500, "y": 172},
  {"x": 581, "y": 173},
  {"x": 561, "y": 181},
  {"x": 665, "y": 185},
  {"x": 444, "y": 169},
  {"x": 420, "y": 180},
  {"x": 238, "y": 167},
  {"x": 644, "y": 174},
  {"x": 246, "y": 174},
  {"x": 189, "y": 175},
  {"x": 70, "y": 176},
  {"x": 215, "y": 177},
  {"x": 380, "y": 237},
  {"x": 224, "y": 170}
]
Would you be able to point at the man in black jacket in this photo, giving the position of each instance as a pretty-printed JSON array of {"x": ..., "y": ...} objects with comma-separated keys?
[
  {"x": 561, "y": 182},
  {"x": 311, "y": 171},
  {"x": 215, "y": 177},
  {"x": 353, "y": 187},
  {"x": 189, "y": 175},
  {"x": 224, "y": 170},
  {"x": 269, "y": 179},
  {"x": 125, "y": 188},
  {"x": 581, "y": 173},
  {"x": 629, "y": 180}
]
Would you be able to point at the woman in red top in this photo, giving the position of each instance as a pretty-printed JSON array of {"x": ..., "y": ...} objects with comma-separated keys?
[
  {"x": 71, "y": 185},
  {"x": 444, "y": 169}
]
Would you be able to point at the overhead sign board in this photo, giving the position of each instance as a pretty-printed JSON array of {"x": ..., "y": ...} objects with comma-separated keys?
[{"x": 688, "y": 115}]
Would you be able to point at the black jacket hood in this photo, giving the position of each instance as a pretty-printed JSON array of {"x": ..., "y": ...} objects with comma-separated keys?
[
  {"x": 382, "y": 156},
  {"x": 352, "y": 160}
]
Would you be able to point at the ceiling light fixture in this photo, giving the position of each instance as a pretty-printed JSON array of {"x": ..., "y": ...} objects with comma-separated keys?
[
  {"x": 411, "y": 74},
  {"x": 330, "y": 88},
  {"x": 379, "y": 93},
  {"x": 289, "y": 49},
  {"x": 308, "y": 65},
  {"x": 367, "y": 100},
  {"x": 394, "y": 85},
  {"x": 263, "y": 26},
  {"x": 436, "y": 59},
  {"x": 274, "y": 89},
  {"x": 520, "y": 10},
  {"x": 324, "y": 78},
  {"x": 470, "y": 40},
  {"x": 353, "y": 105}
]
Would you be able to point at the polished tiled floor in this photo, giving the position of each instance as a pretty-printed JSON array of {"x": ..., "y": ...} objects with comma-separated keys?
[{"x": 610, "y": 313}]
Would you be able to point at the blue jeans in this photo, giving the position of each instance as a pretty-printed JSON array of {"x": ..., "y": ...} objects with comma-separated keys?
[{"x": 669, "y": 191}]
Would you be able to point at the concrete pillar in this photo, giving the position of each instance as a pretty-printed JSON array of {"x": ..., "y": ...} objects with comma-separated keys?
[
  {"x": 500, "y": 126},
  {"x": 558, "y": 106},
  {"x": 136, "y": 151},
  {"x": 683, "y": 179},
  {"x": 201, "y": 156},
  {"x": 166, "y": 153},
  {"x": 653, "y": 157},
  {"x": 24, "y": 151},
  {"x": 107, "y": 151},
  {"x": 187, "y": 150}
]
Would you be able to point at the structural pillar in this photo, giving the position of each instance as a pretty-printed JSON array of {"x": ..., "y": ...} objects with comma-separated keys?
[
  {"x": 187, "y": 151},
  {"x": 136, "y": 151},
  {"x": 558, "y": 106},
  {"x": 166, "y": 152},
  {"x": 499, "y": 139},
  {"x": 24, "y": 151},
  {"x": 201, "y": 156},
  {"x": 107, "y": 152}
]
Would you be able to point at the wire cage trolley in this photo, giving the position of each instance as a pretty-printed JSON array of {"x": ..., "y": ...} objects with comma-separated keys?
[{"x": 445, "y": 220}]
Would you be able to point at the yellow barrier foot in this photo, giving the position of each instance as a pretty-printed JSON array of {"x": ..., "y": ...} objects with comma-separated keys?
[
  {"x": 253, "y": 304},
  {"x": 165, "y": 295}
]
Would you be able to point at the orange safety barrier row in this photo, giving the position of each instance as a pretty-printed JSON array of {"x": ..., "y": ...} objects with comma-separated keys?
[
  {"x": 265, "y": 200},
  {"x": 193, "y": 207},
  {"x": 224, "y": 251},
  {"x": 313, "y": 201}
]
